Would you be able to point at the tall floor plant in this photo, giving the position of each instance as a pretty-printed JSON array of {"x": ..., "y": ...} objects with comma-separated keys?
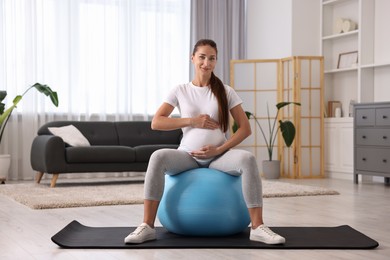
[{"x": 286, "y": 127}]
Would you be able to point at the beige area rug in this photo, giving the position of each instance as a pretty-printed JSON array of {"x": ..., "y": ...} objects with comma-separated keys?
[{"x": 41, "y": 196}]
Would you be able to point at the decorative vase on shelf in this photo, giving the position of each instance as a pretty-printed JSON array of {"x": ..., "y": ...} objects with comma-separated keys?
[
  {"x": 349, "y": 25},
  {"x": 271, "y": 169},
  {"x": 338, "y": 26},
  {"x": 5, "y": 162}
]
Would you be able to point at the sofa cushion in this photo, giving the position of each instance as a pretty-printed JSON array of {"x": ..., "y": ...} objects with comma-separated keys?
[
  {"x": 100, "y": 154},
  {"x": 97, "y": 132},
  {"x": 70, "y": 135},
  {"x": 143, "y": 152}
]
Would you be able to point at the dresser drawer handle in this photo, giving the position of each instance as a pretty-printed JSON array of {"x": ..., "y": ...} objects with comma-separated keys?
[
  {"x": 384, "y": 137},
  {"x": 363, "y": 159},
  {"x": 364, "y": 137},
  {"x": 384, "y": 160},
  {"x": 364, "y": 117},
  {"x": 384, "y": 117}
]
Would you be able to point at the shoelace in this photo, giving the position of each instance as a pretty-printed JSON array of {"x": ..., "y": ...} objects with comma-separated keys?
[
  {"x": 139, "y": 230},
  {"x": 268, "y": 231}
]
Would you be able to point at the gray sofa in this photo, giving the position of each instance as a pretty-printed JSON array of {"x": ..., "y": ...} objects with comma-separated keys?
[{"x": 124, "y": 146}]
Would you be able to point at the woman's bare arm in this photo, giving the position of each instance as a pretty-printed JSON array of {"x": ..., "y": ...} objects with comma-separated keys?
[{"x": 162, "y": 121}]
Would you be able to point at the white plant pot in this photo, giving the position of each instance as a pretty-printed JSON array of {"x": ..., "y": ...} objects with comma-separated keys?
[
  {"x": 271, "y": 169},
  {"x": 5, "y": 163}
]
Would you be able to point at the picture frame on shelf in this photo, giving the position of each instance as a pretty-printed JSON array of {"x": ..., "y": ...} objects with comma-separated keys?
[
  {"x": 333, "y": 106},
  {"x": 347, "y": 60}
]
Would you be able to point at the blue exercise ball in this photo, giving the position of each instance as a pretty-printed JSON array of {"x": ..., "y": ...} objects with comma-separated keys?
[{"x": 203, "y": 202}]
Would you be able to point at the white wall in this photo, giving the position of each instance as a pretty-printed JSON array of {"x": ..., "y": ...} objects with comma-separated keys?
[
  {"x": 306, "y": 28},
  {"x": 283, "y": 28},
  {"x": 269, "y": 29}
]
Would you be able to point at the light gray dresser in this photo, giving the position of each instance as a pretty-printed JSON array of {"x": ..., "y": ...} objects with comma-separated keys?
[{"x": 372, "y": 140}]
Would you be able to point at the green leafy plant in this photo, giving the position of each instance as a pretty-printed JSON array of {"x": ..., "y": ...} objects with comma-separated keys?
[
  {"x": 286, "y": 127},
  {"x": 6, "y": 113}
]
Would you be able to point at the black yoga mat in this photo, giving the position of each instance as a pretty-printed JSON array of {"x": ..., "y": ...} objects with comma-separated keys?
[{"x": 76, "y": 235}]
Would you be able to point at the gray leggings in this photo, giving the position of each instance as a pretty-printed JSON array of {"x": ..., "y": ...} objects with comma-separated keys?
[{"x": 234, "y": 162}]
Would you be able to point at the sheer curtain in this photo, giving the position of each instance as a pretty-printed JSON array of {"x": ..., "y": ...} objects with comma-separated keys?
[{"x": 107, "y": 59}]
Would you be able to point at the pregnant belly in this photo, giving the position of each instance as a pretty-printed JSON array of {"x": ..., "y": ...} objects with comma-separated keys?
[{"x": 196, "y": 138}]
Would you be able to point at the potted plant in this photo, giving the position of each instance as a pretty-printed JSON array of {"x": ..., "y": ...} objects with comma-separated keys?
[
  {"x": 5, "y": 114},
  {"x": 271, "y": 168}
]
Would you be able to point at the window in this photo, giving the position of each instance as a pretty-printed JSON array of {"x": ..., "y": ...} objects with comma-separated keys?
[{"x": 101, "y": 56}]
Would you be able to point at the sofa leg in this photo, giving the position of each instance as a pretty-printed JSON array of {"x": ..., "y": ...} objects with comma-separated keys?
[
  {"x": 54, "y": 180},
  {"x": 38, "y": 177}
]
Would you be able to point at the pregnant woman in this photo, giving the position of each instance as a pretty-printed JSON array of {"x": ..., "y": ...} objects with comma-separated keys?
[{"x": 204, "y": 105}]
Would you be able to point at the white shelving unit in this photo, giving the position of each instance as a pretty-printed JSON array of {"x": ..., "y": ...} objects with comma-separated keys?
[
  {"x": 369, "y": 79},
  {"x": 366, "y": 81}
]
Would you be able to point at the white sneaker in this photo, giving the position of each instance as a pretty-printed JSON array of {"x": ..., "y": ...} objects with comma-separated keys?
[
  {"x": 266, "y": 235},
  {"x": 142, "y": 234}
]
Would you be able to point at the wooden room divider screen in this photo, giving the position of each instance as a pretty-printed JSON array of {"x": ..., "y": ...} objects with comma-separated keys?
[{"x": 262, "y": 84}]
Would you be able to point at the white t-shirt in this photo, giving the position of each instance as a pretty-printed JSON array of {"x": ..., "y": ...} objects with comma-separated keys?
[{"x": 192, "y": 101}]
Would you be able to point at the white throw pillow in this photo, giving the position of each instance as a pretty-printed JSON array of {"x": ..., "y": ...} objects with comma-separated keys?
[{"x": 70, "y": 134}]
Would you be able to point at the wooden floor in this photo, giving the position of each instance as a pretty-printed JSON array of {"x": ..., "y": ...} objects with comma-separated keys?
[{"x": 26, "y": 233}]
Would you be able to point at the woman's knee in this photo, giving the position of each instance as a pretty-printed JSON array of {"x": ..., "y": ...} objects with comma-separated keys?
[
  {"x": 161, "y": 155},
  {"x": 245, "y": 157}
]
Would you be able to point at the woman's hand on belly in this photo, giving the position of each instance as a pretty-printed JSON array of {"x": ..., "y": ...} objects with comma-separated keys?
[
  {"x": 207, "y": 151},
  {"x": 204, "y": 121}
]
